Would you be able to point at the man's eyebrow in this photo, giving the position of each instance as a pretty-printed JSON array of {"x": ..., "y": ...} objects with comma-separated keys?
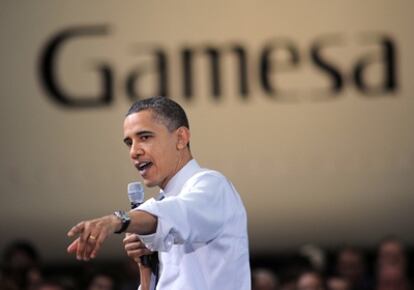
[
  {"x": 139, "y": 133},
  {"x": 144, "y": 132}
]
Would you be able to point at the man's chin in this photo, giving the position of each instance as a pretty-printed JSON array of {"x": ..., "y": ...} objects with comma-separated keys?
[{"x": 150, "y": 183}]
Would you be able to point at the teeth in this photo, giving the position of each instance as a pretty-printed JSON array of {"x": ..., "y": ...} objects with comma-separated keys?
[{"x": 142, "y": 165}]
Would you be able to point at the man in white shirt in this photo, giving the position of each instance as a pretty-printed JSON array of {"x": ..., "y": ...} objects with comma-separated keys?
[{"x": 198, "y": 225}]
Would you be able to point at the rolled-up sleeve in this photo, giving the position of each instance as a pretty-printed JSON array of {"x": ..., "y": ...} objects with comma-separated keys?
[{"x": 194, "y": 217}]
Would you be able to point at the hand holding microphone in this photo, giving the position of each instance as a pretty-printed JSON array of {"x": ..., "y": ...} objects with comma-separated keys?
[
  {"x": 133, "y": 245},
  {"x": 135, "y": 248}
]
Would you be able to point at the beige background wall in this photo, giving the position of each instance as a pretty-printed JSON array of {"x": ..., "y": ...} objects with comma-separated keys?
[{"x": 310, "y": 166}]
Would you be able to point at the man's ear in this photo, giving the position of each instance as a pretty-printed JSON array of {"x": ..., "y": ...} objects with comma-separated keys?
[{"x": 183, "y": 137}]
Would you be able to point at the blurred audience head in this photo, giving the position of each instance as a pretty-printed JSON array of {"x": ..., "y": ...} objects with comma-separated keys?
[
  {"x": 337, "y": 283},
  {"x": 50, "y": 285},
  {"x": 20, "y": 254},
  {"x": 264, "y": 279},
  {"x": 350, "y": 264},
  {"x": 101, "y": 281},
  {"x": 292, "y": 268},
  {"x": 310, "y": 280},
  {"x": 391, "y": 252},
  {"x": 391, "y": 265},
  {"x": 20, "y": 267}
]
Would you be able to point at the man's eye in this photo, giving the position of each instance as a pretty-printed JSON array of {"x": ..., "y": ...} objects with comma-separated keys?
[
  {"x": 144, "y": 138},
  {"x": 128, "y": 143}
]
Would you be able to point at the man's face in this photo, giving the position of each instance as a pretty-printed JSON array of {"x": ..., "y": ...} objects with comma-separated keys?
[{"x": 153, "y": 149}]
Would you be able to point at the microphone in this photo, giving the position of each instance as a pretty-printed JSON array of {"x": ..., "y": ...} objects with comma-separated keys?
[
  {"x": 135, "y": 194},
  {"x": 136, "y": 198}
]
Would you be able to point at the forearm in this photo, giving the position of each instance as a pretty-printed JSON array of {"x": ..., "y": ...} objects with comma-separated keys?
[{"x": 142, "y": 223}]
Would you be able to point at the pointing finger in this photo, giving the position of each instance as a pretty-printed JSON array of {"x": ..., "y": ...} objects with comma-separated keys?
[{"x": 76, "y": 229}]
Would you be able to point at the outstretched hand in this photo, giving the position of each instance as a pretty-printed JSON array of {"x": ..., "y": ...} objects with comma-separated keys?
[{"x": 91, "y": 234}]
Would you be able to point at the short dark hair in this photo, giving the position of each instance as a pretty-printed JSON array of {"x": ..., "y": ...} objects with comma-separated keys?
[{"x": 165, "y": 110}]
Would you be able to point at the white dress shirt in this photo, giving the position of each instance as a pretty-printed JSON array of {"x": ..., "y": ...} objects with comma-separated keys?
[{"x": 201, "y": 235}]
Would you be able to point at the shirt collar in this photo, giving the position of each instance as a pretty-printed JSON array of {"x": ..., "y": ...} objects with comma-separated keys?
[{"x": 176, "y": 183}]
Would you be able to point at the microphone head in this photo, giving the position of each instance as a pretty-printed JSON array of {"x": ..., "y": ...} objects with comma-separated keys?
[{"x": 135, "y": 192}]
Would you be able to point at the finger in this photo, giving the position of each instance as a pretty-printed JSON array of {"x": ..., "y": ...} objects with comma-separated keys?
[
  {"x": 134, "y": 246},
  {"x": 84, "y": 235},
  {"x": 98, "y": 245},
  {"x": 130, "y": 238},
  {"x": 80, "y": 249},
  {"x": 90, "y": 245},
  {"x": 137, "y": 254},
  {"x": 76, "y": 229},
  {"x": 83, "y": 242},
  {"x": 73, "y": 246},
  {"x": 83, "y": 255},
  {"x": 93, "y": 237}
]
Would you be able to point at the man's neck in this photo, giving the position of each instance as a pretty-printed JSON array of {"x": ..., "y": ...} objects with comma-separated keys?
[{"x": 183, "y": 160}]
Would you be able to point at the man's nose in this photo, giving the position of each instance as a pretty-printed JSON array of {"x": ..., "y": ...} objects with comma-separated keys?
[{"x": 136, "y": 151}]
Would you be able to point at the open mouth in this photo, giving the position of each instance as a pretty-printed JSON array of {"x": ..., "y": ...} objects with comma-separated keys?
[{"x": 143, "y": 167}]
